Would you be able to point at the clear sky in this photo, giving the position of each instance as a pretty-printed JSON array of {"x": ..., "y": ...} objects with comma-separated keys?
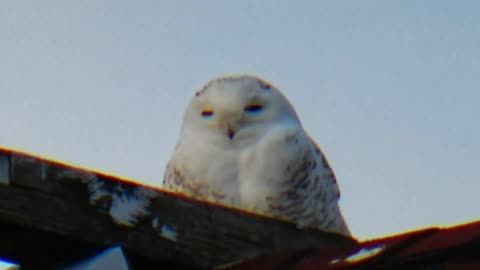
[{"x": 389, "y": 89}]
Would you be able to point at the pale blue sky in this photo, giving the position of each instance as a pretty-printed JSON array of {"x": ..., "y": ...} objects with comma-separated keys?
[{"x": 389, "y": 89}]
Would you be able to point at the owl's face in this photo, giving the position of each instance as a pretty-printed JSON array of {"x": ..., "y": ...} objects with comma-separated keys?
[{"x": 236, "y": 110}]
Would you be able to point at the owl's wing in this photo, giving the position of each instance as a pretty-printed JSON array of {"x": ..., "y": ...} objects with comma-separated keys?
[
  {"x": 309, "y": 191},
  {"x": 178, "y": 179}
]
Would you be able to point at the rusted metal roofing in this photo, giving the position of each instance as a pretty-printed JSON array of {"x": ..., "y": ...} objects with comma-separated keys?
[{"x": 454, "y": 248}]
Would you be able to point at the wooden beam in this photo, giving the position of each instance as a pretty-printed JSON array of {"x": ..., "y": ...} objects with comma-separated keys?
[{"x": 73, "y": 213}]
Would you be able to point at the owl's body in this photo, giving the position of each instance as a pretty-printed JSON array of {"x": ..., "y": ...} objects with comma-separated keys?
[{"x": 242, "y": 144}]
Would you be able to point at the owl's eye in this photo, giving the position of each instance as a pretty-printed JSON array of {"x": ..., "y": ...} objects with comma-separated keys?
[
  {"x": 253, "y": 108},
  {"x": 207, "y": 113}
]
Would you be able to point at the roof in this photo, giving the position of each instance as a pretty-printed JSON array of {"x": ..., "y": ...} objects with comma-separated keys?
[
  {"x": 454, "y": 248},
  {"x": 53, "y": 215}
]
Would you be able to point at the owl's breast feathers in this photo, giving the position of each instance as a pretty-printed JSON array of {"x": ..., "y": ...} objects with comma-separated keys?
[
  {"x": 291, "y": 180},
  {"x": 178, "y": 180}
]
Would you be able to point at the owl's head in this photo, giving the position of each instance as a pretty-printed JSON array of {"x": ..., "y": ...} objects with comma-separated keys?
[{"x": 237, "y": 108}]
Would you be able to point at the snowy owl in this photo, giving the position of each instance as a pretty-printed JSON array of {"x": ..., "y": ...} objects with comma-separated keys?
[{"x": 242, "y": 145}]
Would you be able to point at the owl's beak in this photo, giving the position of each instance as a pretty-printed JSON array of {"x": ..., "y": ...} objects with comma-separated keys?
[
  {"x": 230, "y": 120},
  {"x": 230, "y": 132}
]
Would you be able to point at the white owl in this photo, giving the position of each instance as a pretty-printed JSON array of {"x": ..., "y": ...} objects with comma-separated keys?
[{"x": 242, "y": 144}]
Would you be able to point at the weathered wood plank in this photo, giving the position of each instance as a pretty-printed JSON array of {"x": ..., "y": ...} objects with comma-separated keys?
[
  {"x": 153, "y": 224},
  {"x": 4, "y": 168}
]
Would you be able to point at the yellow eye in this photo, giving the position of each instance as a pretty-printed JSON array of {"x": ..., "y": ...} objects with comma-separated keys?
[
  {"x": 253, "y": 108},
  {"x": 207, "y": 113}
]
